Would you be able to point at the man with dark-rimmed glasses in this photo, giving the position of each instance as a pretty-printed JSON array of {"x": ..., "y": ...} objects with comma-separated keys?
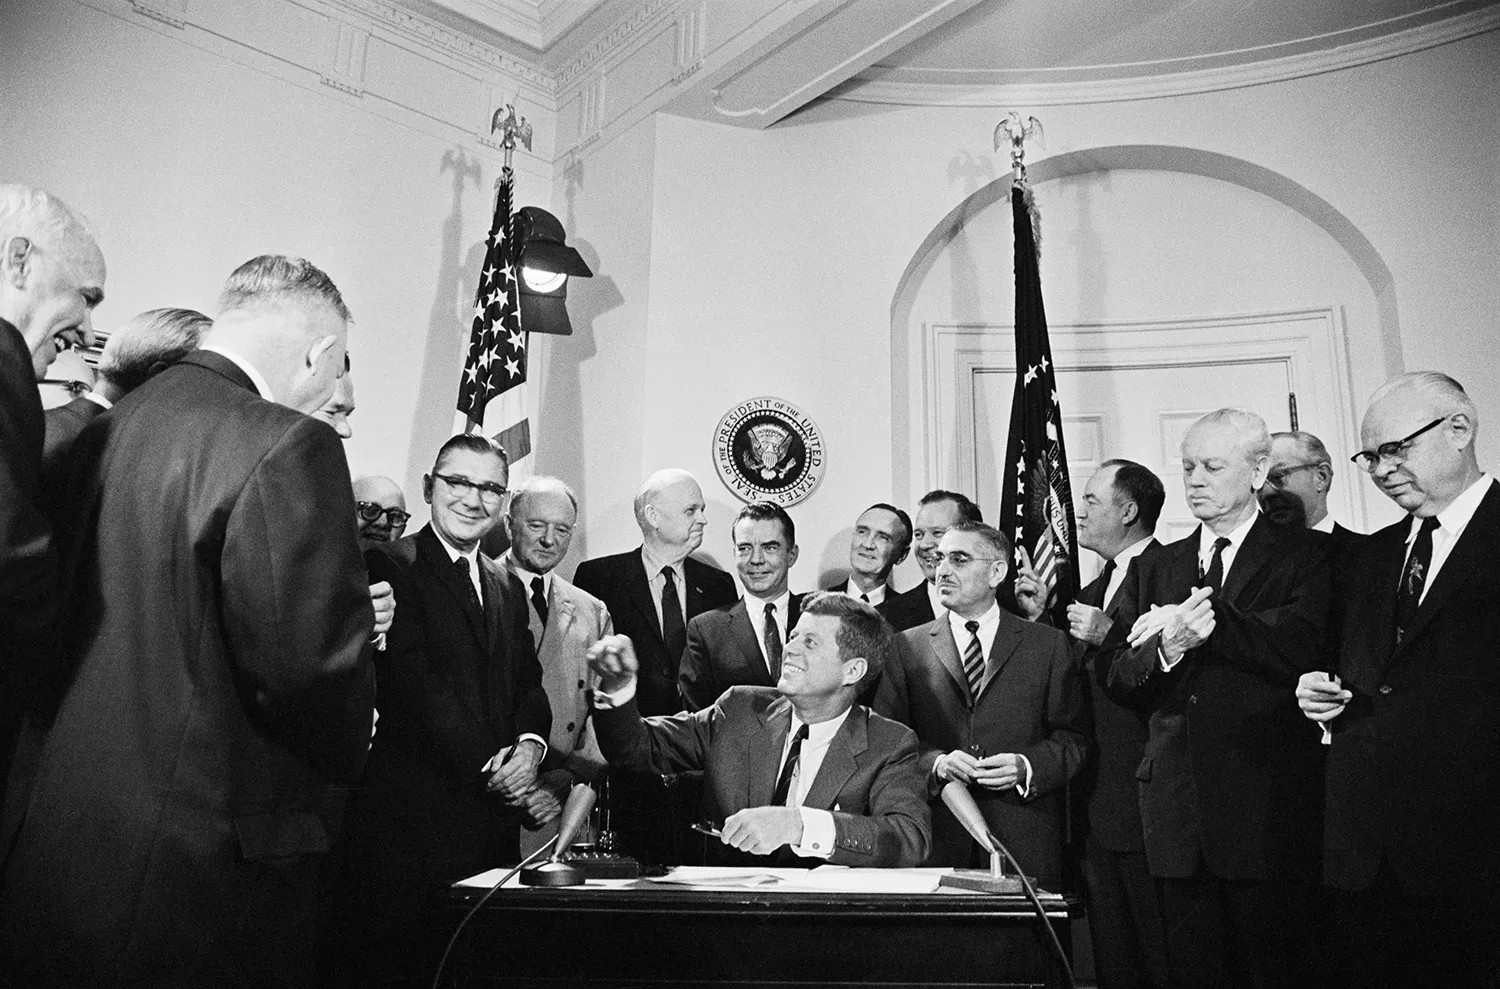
[
  {"x": 1412, "y": 711},
  {"x": 380, "y": 508}
]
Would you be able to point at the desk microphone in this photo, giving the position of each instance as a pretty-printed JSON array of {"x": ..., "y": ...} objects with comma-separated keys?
[
  {"x": 961, "y": 802},
  {"x": 554, "y": 871},
  {"x": 580, "y": 802}
]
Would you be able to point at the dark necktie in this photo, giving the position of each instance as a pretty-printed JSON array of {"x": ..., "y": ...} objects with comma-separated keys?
[
  {"x": 1414, "y": 577},
  {"x": 974, "y": 659},
  {"x": 539, "y": 598},
  {"x": 789, "y": 770},
  {"x": 772, "y": 638},
  {"x": 1105, "y": 576},
  {"x": 1214, "y": 577},
  {"x": 673, "y": 631},
  {"x": 462, "y": 563},
  {"x": 865, "y": 598}
]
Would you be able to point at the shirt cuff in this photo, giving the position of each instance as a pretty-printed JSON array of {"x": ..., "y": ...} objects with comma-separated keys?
[
  {"x": 1024, "y": 786},
  {"x": 1166, "y": 665},
  {"x": 379, "y": 642},
  {"x": 500, "y": 759},
  {"x": 619, "y": 698},
  {"x": 817, "y": 833}
]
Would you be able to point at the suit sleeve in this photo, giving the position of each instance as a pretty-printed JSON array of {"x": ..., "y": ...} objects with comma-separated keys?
[
  {"x": 893, "y": 699},
  {"x": 1133, "y": 676},
  {"x": 533, "y": 712},
  {"x": 695, "y": 676},
  {"x": 28, "y": 562},
  {"x": 1280, "y": 639},
  {"x": 896, "y": 830},
  {"x": 297, "y": 605},
  {"x": 668, "y": 743},
  {"x": 1066, "y": 726}
]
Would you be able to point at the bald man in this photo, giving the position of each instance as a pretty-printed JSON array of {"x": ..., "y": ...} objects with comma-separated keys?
[
  {"x": 381, "y": 507},
  {"x": 651, "y": 593}
]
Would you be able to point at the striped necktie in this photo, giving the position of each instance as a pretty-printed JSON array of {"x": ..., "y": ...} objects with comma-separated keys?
[{"x": 974, "y": 659}]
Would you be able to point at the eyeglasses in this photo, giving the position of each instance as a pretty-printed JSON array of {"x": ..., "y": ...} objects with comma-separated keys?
[
  {"x": 959, "y": 559},
  {"x": 369, "y": 512},
  {"x": 1278, "y": 477},
  {"x": 1395, "y": 451},
  {"x": 489, "y": 493}
]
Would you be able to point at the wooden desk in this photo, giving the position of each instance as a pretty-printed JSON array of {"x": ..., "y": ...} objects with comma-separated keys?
[{"x": 656, "y": 935}]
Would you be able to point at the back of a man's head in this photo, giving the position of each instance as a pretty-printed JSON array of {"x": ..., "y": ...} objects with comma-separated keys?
[
  {"x": 273, "y": 280},
  {"x": 148, "y": 344}
]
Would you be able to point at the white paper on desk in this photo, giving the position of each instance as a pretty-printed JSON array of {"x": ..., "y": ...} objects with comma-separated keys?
[
  {"x": 711, "y": 876},
  {"x": 843, "y": 879}
]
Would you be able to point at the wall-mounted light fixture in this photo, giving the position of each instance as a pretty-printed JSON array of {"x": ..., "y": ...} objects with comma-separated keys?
[{"x": 546, "y": 263}]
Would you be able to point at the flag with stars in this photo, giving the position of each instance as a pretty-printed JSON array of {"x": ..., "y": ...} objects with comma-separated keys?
[
  {"x": 492, "y": 393},
  {"x": 1036, "y": 502}
]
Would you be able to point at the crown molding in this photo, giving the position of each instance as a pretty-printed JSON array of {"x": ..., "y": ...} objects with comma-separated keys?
[
  {"x": 614, "y": 42},
  {"x": 881, "y": 89},
  {"x": 423, "y": 30}
]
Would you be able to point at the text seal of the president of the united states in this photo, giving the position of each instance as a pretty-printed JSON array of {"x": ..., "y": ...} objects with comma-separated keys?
[{"x": 767, "y": 449}]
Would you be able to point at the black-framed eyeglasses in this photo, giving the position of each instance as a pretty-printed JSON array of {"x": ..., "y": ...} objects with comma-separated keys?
[
  {"x": 1394, "y": 451},
  {"x": 489, "y": 493},
  {"x": 1278, "y": 477},
  {"x": 369, "y": 512},
  {"x": 958, "y": 559}
]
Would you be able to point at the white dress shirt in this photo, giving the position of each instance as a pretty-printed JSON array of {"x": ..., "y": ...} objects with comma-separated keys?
[
  {"x": 262, "y": 386},
  {"x": 1451, "y": 524},
  {"x": 1122, "y": 564},
  {"x": 526, "y": 577},
  {"x": 99, "y": 400},
  {"x": 1324, "y": 524},
  {"x": 1206, "y": 539},
  {"x": 989, "y": 625},
  {"x": 657, "y": 582},
  {"x": 876, "y": 595},
  {"x": 756, "y": 609}
]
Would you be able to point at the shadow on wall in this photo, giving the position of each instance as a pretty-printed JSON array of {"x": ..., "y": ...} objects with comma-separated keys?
[
  {"x": 444, "y": 343},
  {"x": 833, "y": 562}
]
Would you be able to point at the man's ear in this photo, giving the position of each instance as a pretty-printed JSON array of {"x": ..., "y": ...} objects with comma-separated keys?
[
  {"x": 854, "y": 670},
  {"x": 318, "y": 350},
  {"x": 16, "y": 261},
  {"x": 791, "y": 556},
  {"x": 1462, "y": 430},
  {"x": 1129, "y": 514},
  {"x": 427, "y": 488},
  {"x": 998, "y": 570}
]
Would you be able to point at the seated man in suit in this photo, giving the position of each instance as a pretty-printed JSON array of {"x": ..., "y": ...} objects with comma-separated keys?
[
  {"x": 880, "y": 540},
  {"x": 463, "y": 720},
  {"x": 742, "y": 643},
  {"x": 381, "y": 509},
  {"x": 998, "y": 704},
  {"x": 1116, "y": 518},
  {"x": 799, "y": 770},
  {"x": 1210, "y": 636},
  {"x": 564, "y": 621},
  {"x": 936, "y": 512},
  {"x": 1413, "y": 704},
  {"x": 144, "y": 346}
]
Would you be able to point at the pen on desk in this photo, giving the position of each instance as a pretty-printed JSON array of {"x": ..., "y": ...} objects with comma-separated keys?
[{"x": 709, "y": 830}]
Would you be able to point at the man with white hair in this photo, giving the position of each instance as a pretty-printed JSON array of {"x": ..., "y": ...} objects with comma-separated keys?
[
  {"x": 1210, "y": 636},
  {"x": 51, "y": 278},
  {"x": 215, "y": 664},
  {"x": 1412, "y": 705}
]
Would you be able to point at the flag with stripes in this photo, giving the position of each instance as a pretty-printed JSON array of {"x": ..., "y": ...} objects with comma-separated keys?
[
  {"x": 492, "y": 395},
  {"x": 1036, "y": 502}
]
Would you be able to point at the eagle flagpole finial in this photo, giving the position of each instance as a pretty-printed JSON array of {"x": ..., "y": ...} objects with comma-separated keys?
[
  {"x": 1016, "y": 132},
  {"x": 512, "y": 128}
]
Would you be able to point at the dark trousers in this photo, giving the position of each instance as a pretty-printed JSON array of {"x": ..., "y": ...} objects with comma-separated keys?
[
  {"x": 1125, "y": 925},
  {"x": 1389, "y": 937},
  {"x": 1223, "y": 933},
  {"x": 651, "y": 816}
]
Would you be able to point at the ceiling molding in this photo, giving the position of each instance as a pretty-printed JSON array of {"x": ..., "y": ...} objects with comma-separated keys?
[
  {"x": 622, "y": 35},
  {"x": 536, "y": 23},
  {"x": 424, "y": 30},
  {"x": 882, "y": 86}
]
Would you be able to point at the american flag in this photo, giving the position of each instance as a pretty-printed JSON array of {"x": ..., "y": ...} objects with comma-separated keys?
[
  {"x": 492, "y": 393},
  {"x": 1036, "y": 502}
]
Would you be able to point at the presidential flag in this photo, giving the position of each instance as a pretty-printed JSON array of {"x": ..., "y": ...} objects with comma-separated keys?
[
  {"x": 1036, "y": 503},
  {"x": 492, "y": 395}
]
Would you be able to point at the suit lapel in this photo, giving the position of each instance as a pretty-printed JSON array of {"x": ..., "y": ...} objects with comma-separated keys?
[
  {"x": 1007, "y": 640},
  {"x": 1468, "y": 555},
  {"x": 1093, "y": 594},
  {"x": 560, "y": 615},
  {"x": 839, "y": 762},
  {"x": 793, "y": 612},
  {"x": 638, "y": 585},
  {"x": 763, "y": 758},
  {"x": 494, "y": 577},
  {"x": 946, "y": 651},
  {"x": 1252, "y": 555},
  {"x": 452, "y": 581}
]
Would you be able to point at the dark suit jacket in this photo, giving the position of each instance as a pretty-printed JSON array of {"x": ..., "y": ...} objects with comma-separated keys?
[
  {"x": 1030, "y": 701},
  {"x": 620, "y": 582},
  {"x": 64, "y": 423},
  {"x": 1414, "y": 768},
  {"x": 1109, "y": 788},
  {"x": 219, "y": 620},
  {"x": 28, "y": 563},
  {"x": 870, "y": 778},
  {"x": 723, "y": 651},
  {"x": 909, "y": 609},
  {"x": 1229, "y": 758},
  {"x": 456, "y": 687}
]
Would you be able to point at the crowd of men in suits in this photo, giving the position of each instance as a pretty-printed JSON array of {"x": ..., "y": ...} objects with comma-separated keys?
[{"x": 250, "y": 728}]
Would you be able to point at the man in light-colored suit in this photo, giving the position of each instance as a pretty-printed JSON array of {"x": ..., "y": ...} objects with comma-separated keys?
[{"x": 565, "y": 621}]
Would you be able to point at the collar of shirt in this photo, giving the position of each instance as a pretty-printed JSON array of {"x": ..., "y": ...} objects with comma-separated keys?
[
  {"x": 810, "y": 759},
  {"x": 989, "y": 624},
  {"x": 472, "y": 556},
  {"x": 1324, "y": 524},
  {"x": 935, "y": 599},
  {"x": 876, "y": 595},
  {"x": 256, "y": 378},
  {"x": 1455, "y": 518},
  {"x": 1122, "y": 563},
  {"x": 526, "y": 576},
  {"x": 653, "y": 565},
  {"x": 99, "y": 400},
  {"x": 1236, "y": 537},
  {"x": 756, "y": 608}
]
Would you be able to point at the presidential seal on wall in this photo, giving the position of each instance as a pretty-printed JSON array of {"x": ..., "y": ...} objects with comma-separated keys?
[{"x": 767, "y": 449}]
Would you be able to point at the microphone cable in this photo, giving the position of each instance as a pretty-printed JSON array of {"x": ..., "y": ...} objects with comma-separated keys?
[{"x": 437, "y": 977}]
